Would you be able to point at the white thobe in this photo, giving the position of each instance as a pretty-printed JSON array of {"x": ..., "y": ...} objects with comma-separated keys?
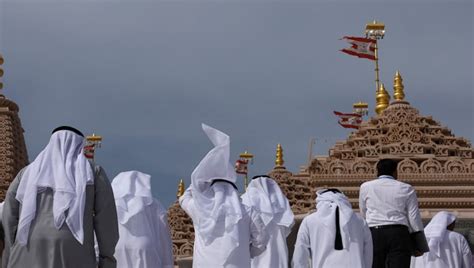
[
  {"x": 276, "y": 252},
  {"x": 315, "y": 245},
  {"x": 455, "y": 253},
  {"x": 251, "y": 238},
  {"x": 145, "y": 240}
]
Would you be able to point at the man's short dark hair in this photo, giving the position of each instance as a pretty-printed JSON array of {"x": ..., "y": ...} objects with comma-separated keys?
[{"x": 386, "y": 167}]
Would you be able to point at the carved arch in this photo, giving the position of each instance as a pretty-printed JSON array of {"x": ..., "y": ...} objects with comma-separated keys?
[
  {"x": 454, "y": 166},
  {"x": 408, "y": 166},
  {"x": 431, "y": 166}
]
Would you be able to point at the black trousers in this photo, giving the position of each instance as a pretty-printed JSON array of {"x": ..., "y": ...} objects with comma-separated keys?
[{"x": 392, "y": 247}]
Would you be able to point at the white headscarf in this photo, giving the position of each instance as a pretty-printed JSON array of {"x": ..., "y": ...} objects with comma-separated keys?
[
  {"x": 218, "y": 206},
  {"x": 326, "y": 204},
  {"x": 265, "y": 196},
  {"x": 436, "y": 230},
  {"x": 62, "y": 167},
  {"x": 132, "y": 192},
  {"x": 1, "y": 210}
]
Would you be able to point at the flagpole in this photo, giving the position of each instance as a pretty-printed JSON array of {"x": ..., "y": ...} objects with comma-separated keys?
[
  {"x": 377, "y": 81},
  {"x": 310, "y": 151},
  {"x": 247, "y": 156},
  {"x": 92, "y": 142},
  {"x": 376, "y": 31}
]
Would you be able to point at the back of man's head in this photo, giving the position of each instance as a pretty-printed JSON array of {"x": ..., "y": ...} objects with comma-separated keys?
[
  {"x": 387, "y": 167},
  {"x": 68, "y": 128}
]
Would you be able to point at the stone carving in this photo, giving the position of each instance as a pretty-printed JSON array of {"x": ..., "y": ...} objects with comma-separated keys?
[
  {"x": 182, "y": 231},
  {"x": 13, "y": 155},
  {"x": 438, "y": 164},
  {"x": 431, "y": 166},
  {"x": 429, "y": 154}
]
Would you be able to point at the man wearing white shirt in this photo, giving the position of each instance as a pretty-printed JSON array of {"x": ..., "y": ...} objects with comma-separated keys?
[{"x": 390, "y": 208}]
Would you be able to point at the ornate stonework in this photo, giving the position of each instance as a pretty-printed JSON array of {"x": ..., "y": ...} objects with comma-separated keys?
[
  {"x": 182, "y": 231},
  {"x": 13, "y": 155},
  {"x": 438, "y": 164}
]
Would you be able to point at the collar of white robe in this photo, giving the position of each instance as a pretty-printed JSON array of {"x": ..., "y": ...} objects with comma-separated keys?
[
  {"x": 265, "y": 196},
  {"x": 132, "y": 192},
  {"x": 62, "y": 167},
  {"x": 335, "y": 209},
  {"x": 219, "y": 208},
  {"x": 436, "y": 230}
]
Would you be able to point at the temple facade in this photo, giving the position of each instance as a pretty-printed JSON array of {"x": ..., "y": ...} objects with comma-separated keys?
[
  {"x": 431, "y": 158},
  {"x": 13, "y": 154}
]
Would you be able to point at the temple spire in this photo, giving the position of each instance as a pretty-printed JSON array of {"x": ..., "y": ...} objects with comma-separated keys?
[
  {"x": 382, "y": 98},
  {"x": 279, "y": 157},
  {"x": 180, "y": 189},
  {"x": 398, "y": 92}
]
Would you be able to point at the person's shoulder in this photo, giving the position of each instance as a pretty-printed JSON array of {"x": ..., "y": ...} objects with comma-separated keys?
[
  {"x": 405, "y": 186},
  {"x": 455, "y": 236},
  {"x": 312, "y": 218},
  {"x": 157, "y": 206},
  {"x": 458, "y": 241},
  {"x": 369, "y": 183}
]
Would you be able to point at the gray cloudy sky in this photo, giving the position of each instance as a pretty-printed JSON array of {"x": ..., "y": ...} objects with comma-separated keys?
[{"x": 146, "y": 74}]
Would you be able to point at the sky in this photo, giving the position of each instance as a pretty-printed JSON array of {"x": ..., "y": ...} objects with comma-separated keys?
[{"x": 146, "y": 74}]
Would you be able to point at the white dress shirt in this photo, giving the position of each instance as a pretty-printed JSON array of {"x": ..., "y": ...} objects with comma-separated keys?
[{"x": 386, "y": 201}]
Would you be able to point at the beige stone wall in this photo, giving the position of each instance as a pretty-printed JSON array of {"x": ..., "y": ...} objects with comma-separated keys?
[{"x": 13, "y": 155}]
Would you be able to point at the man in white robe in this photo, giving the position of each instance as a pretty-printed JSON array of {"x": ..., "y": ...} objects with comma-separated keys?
[
  {"x": 333, "y": 236},
  {"x": 225, "y": 231},
  {"x": 447, "y": 248},
  {"x": 54, "y": 206},
  {"x": 265, "y": 196},
  {"x": 145, "y": 239}
]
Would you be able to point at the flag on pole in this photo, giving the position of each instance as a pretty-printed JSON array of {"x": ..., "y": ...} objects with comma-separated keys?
[
  {"x": 360, "y": 47},
  {"x": 241, "y": 166},
  {"x": 89, "y": 151},
  {"x": 347, "y": 120}
]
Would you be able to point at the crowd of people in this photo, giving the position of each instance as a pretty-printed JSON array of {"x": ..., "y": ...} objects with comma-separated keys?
[{"x": 62, "y": 211}]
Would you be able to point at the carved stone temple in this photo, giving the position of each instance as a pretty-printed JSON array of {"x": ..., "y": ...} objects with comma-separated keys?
[
  {"x": 13, "y": 155},
  {"x": 437, "y": 163}
]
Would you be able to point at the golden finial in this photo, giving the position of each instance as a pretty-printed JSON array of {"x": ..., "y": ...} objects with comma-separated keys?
[
  {"x": 398, "y": 93},
  {"x": 382, "y": 98},
  {"x": 361, "y": 108},
  {"x": 94, "y": 138},
  {"x": 180, "y": 188},
  {"x": 279, "y": 156}
]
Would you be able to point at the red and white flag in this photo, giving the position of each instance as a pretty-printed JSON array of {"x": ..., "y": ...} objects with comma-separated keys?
[
  {"x": 349, "y": 120},
  {"x": 360, "y": 47},
  {"x": 241, "y": 166},
  {"x": 89, "y": 151}
]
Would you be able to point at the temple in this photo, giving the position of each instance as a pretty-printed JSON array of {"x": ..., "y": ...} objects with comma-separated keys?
[
  {"x": 431, "y": 158},
  {"x": 13, "y": 155},
  {"x": 437, "y": 163}
]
